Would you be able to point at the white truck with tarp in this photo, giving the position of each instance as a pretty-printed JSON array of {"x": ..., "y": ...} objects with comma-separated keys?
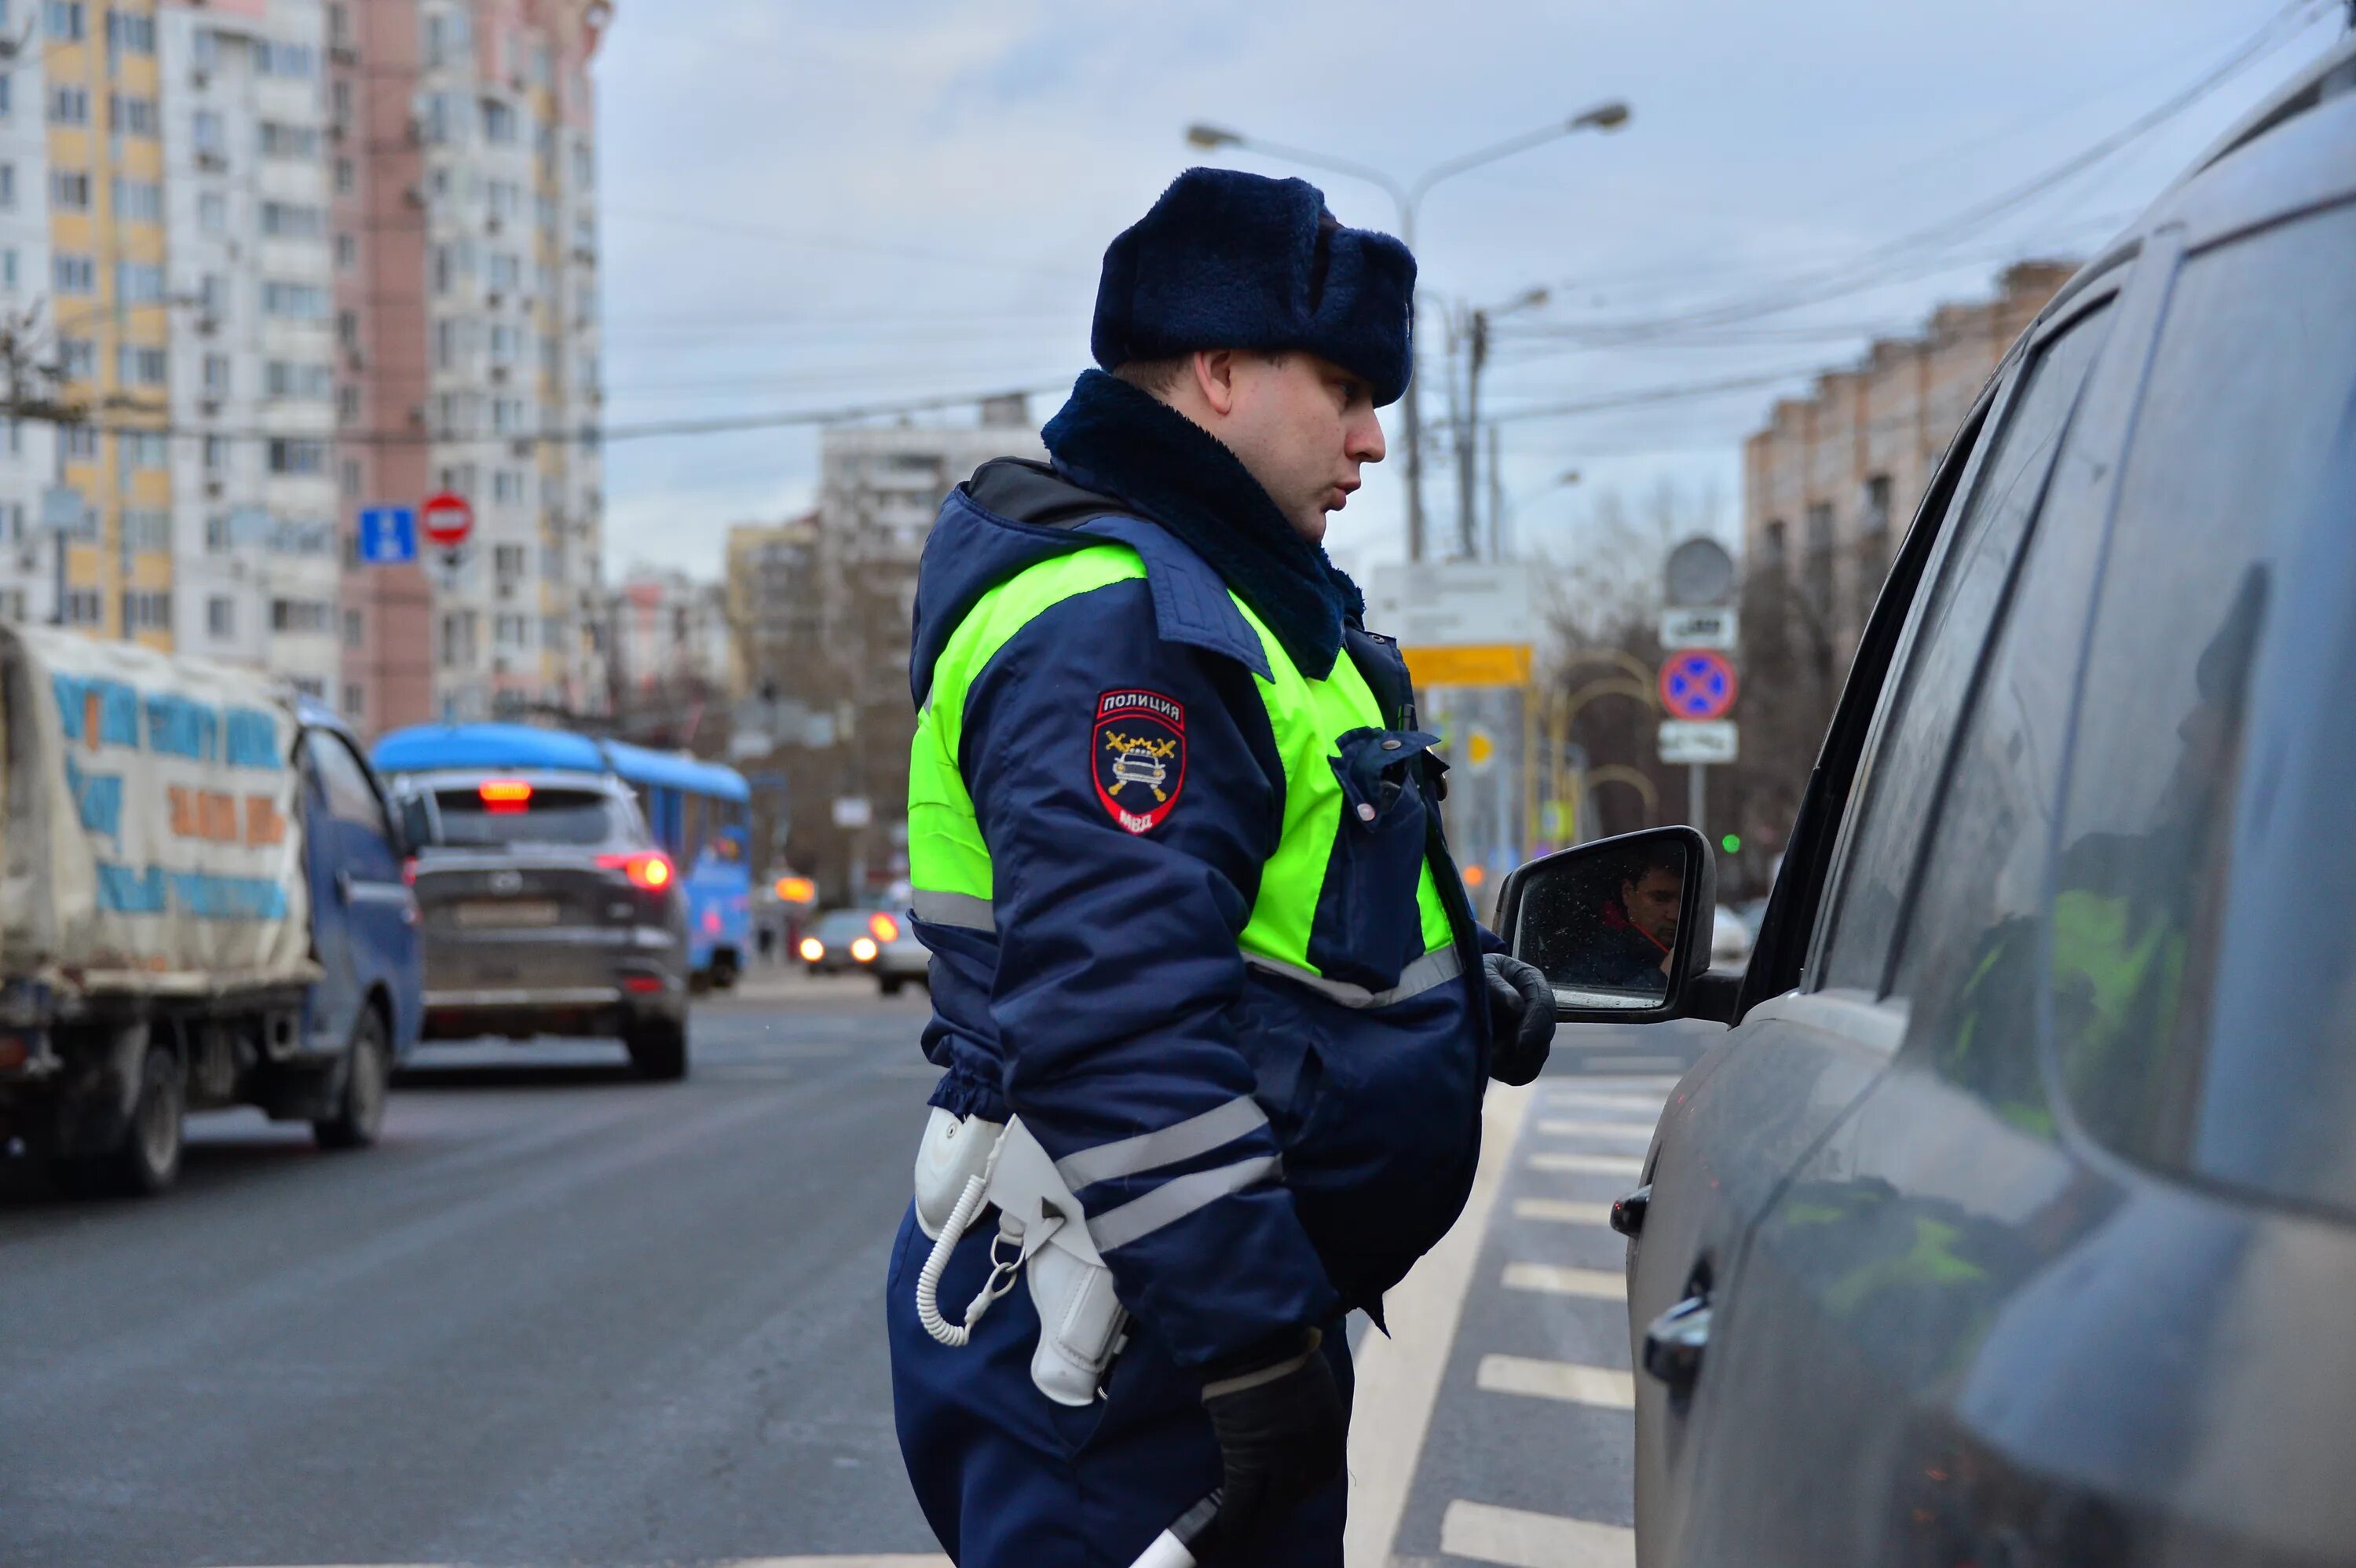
[{"x": 167, "y": 830}]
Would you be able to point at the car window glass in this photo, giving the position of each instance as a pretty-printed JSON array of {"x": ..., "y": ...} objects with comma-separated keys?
[
  {"x": 1968, "y": 957},
  {"x": 1895, "y": 791},
  {"x": 545, "y": 816},
  {"x": 2250, "y": 386},
  {"x": 350, "y": 797}
]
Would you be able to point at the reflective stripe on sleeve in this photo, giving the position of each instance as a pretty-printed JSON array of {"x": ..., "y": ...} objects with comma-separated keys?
[
  {"x": 1436, "y": 967},
  {"x": 1149, "y": 1151},
  {"x": 963, "y": 910},
  {"x": 1174, "y": 1199}
]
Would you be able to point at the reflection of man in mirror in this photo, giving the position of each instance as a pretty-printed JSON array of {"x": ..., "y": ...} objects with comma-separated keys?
[{"x": 1639, "y": 925}]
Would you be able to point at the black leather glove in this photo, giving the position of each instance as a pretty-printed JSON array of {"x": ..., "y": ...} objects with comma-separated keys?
[
  {"x": 1281, "y": 1432},
  {"x": 1521, "y": 1018}
]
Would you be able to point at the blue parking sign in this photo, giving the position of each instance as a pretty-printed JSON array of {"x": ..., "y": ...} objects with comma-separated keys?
[{"x": 388, "y": 535}]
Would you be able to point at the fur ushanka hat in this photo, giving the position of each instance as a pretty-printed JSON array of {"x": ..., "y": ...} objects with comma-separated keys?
[{"x": 1229, "y": 260}]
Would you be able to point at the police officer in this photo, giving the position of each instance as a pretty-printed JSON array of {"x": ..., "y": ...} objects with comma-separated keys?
[{"x": 1175, "y": 845}]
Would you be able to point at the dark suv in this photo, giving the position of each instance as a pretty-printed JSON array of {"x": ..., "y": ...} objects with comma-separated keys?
[
  {"x": 2013, "y": 1221},
  {"x": 548, "y": 909}
]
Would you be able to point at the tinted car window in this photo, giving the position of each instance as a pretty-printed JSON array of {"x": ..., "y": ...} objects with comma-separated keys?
[
  {"x": 350, "y": 797},
  {"x": 1970, "y": 957},
  {"x": 843, "y": 924},
  {"x": 1900, "y": 780},
  {"x": 2243, "y": 422},
  {"x": 548, "y": 816}
]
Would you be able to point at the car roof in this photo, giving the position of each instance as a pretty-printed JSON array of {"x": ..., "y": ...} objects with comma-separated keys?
[{"x": 514, "y": 747}]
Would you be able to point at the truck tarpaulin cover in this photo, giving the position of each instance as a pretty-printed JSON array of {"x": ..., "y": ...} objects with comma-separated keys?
[{"x": 149, "y": 833}]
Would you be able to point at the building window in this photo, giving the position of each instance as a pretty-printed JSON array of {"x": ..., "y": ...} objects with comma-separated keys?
[
  {"x": 346, "y": 176},
  {"x": 1875, "y": 517},
  {"x": 281, "y": 141},
  {"x": 347, "y": 252},
  {"x": 146, "y": 531},
  {"x": 498, "y": 123},
  {"x": 352, "y": 629},
  {"x": 77, "y": 359},
  {"x": 8, "y": 274},
  {"x": 217, "y": 375},
  {"x": 65, "y": 21},
  {"x": 507, "y": 486},
  {"x": 508, "y": 561},
  {"x": 293, "y": 301},
  {"x": 348, "y": 328},
  {"x": 138, "y": 283},
  {"x": 128, "y": 114},
  {"x": 8, "y": 185},
  {"x": 141, "y": 449},
  {"x": 298, "y": 378},
  {"x": 300, "y": 615},
  {"x": 70, "y": 190},
  {"x": 351, "y": 486},
  {"x": 347, "y": 405},
  {"x": 293, "y": 220},
  {"x": 298, "y": 62},
  {"x": 221, "y": 616},
  {"x": 211, "y": 136},
  {"x": 289, "y": 456},
  {"x": 146, "y": 610},
  {"x": 355, "y": 700},
  {"x": 339, "y": 103},
  {"x": 83, "y": 607},
  {"x": 216, "y": 454},
  {"x": 220, "y": 537},
  {"x": 81, "y": 443},
  {"x": 70, "y": 105},
  {"x": 141, "y": 365},
  {"x": 132, "y": 32},
  {"x": 138, "y": 201}
]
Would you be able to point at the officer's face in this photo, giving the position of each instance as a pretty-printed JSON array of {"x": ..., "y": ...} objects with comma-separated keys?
[
  {"x": 1302, "y": 425},
  {"x": 1652, "y": 904}
]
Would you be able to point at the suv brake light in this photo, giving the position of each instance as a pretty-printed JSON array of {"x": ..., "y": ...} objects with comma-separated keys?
[
  {"x": 503, "y": 796},
  {"x": 883, "y": 926},
  {"x": 648, "y": 869}
]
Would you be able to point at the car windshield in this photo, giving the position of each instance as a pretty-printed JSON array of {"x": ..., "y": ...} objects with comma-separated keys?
[
  {"x": 843, "y": 924},
  {"x": 490, "y": 815}
]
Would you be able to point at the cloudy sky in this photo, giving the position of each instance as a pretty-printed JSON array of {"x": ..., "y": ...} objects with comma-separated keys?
[{"x": 844, "y": 203}]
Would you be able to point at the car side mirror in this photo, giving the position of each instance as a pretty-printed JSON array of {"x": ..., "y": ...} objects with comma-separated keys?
[{"x": 1620, "y": 928}]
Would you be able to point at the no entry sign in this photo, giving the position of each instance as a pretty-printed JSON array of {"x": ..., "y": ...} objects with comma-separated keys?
[
  {"x": 1696, "y": 683},
  {"x": 447, "y": 520}
]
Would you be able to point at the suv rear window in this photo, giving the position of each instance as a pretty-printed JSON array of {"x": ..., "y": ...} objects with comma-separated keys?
[{"x": 543, "y": 816}]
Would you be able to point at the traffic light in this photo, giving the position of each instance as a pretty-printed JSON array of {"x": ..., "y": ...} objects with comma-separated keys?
[{"x": 1732, "y": 843}]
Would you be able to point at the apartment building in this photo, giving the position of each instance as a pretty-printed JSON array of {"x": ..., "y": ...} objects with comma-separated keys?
[
  {"x": 1833, "y": 476},
  {"x": 281, "y": 260}
]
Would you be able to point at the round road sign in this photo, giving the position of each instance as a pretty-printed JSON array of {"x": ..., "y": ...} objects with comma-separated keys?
[
  {"x": 447, "y": 519},
  {"x": 1700, "y": 571},
  {"x": 1698, "y": 683}
]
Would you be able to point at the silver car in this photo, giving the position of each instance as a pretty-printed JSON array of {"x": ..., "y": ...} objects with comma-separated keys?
[{"x": 548, "y": 909}]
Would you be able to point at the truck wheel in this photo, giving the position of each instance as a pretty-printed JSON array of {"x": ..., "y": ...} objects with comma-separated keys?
[
  {"x": 147, "y": 1160},
  {"x": 360, "y": 1108},
  {"x": 658, "y": 1049}
]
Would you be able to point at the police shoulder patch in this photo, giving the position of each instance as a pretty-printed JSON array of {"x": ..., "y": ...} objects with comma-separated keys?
[{"x": 1138, "y": 756}]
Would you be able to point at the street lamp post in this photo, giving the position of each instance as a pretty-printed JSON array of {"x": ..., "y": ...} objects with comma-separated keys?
[{"x": 1609, "y": 116}]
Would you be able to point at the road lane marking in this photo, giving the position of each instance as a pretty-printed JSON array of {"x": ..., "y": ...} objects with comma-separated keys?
[
  {"x": 1562, "y": 1213},
  {"x": 1398, "y": 1376},
  {"x": 1563, "y": 1127},
  {"x": 1580, "y": 1100},
  {"x": 1519, "y": 1539},
  {"x": 1553, "y": 1279},
  {"x": 1589, "y": 1164},
  {"x": 1566, "y": 1381}
]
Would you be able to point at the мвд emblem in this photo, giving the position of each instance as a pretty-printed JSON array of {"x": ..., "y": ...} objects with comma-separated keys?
[{"x": 1140, "y": 756}]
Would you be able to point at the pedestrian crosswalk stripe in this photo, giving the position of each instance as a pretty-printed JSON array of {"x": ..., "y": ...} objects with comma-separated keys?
[
  {"x": 1519, "y": 1538},
  {"x": 1589, "y": 1164},
  {"x": 1565, "y": 1380},
  {"x": 1596, "y": 1284},
  {"x": 1644, "y": 1105},
  {"x": 1563, "y": 1127},
  {"x": 1562, "y": 1213}
]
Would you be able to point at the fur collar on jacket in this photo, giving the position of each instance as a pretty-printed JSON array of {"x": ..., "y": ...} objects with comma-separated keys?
[{"x": 1112, "y": 438}]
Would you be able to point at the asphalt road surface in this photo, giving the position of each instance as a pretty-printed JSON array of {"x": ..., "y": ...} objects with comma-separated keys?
[{"x": 559, "y": 1316}]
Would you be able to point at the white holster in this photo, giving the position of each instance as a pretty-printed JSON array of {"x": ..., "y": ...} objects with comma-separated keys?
[{"x": 967, "y": 1164}]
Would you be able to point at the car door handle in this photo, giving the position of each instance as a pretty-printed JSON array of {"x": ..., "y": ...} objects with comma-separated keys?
[
  {"x": 1674, "y": 1343},
  {"x": 1628, "y": 1212}
]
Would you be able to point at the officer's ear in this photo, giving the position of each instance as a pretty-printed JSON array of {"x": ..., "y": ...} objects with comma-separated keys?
[{"x": 1214, "y": 377}]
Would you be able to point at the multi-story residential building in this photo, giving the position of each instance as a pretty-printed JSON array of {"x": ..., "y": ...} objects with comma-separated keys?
[
  {"x": 280, "y": 259},
  {"x": 1833, "y": 476},
  {"x": 667, "y": 633},
  {"x": 825, "y": 638}
]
